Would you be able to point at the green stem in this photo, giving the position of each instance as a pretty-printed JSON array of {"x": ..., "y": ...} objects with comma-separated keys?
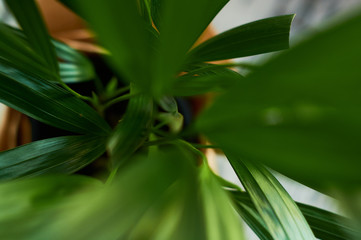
[
  {"x": 75, "y": 93},
  {"x": 119, "y": 99}
]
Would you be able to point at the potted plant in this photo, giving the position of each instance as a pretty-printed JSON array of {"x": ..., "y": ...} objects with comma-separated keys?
[{"x": 151, "y": 179}]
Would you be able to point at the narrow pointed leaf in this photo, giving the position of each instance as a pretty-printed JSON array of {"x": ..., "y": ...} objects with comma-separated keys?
[
  {"x": 262, "y": 36},
  {"x": 220, "y": 217},
  {"x": 48, "y": 103},
  {"x": 253, "y": 220},
  {"x": 15, "y": 52},
  {"x": 299, "y": 113},
  {"x": 180, "y": 24},
  {"x": 30, "y": 20},
  {"x": 56, "y": 155},
  {"x": 126, "y": 36},
  {"x": 324, "y": 224},
  {"x": 279, "y": 212}
]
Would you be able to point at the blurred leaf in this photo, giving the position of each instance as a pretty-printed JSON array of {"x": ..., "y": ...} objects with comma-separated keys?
[
  {"x": 132, "y": 130},
  {"x": 165, "y": 203},
  {"x": 299, "y": 113},
  {"x": 262, "y": 36},
  {"x": 220, "y": 217},
  {"x": 324, "y": 224},
  {"x": 121, "y": 29},
  {"x": 54, "y": 155},
  {"x": 16, "y": 53},
  {"x": 279, "y": 212},
  {"x": 74, "y": 67},
  {"x": 28, "y": 17},
  {"x": 48, "y": 103},
  {"x": 30, "y": 203},
  {"x": 204, "y": 80},
  {"x": 180, "y": 24}
]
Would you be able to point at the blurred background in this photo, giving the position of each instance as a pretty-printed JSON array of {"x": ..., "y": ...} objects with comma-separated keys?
[{"x": 311, "y": 16}]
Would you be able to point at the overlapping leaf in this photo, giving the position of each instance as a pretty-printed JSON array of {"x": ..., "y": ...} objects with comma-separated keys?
[
  {"x": 48, "y": 103},
  {"x": 299, "y": 113},
  {"x": 162, "y": 204},
  {"x": 324, "y": 224},
  {"x": 180, "y": 24},
  {"x": 262, "y": 36},
  {"x": 28, "y": 17},
  {"x": 56, "y": 155},
  {"x": 277, "y": 209}
]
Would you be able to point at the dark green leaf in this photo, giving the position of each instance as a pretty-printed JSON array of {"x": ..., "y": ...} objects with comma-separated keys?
[
  {"x": 253, "y": 220},
  {"x": 324, "y": 224},
  {"x": 133, "y": 129},
  {"x": 262, "y": 36},
  {"x": 48, "y": 103},
  {"x": 16, "y": 53},
  {"x": 180, "y": 24},
  {"x": 55, "y": 155},
  {"x": 28, "y": 17},
  {"x": 299, "y": 113},
  {"x": 277, "y": 209}
]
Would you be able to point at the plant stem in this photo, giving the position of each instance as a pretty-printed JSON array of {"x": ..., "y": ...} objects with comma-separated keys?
[
  {"x": 119, "y": 99},
  {"x": 75, "y": 93}
]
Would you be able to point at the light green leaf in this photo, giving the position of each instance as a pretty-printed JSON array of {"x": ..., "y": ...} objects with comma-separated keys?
[
  {"x": 48, "y": 103},
  {"x": 262, "y": 36},
  {"x": 56, "y": 155},
  {"x": 324, "y": 224},
  {"x": 220, "y": 217},
  {"x": 28, "y": 17},
  {"x": 279, "y": 212},
  {"x": 300, "y": 113}
]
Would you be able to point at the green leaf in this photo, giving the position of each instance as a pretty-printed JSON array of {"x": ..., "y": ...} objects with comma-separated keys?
[
  {"x": 73, "y": 67},
  {"x": 48, "y": 103},
  {"x": 299, "y": 113},
  {"x": 28, "y": 16},
  {"x": 204, "y": 80},
  {"x": 262, "y": 36},
  {"x": 253, "y": 220},
  {"x": 133, "y": 129},
  {"x": 54, "y": 155},
  {"x": 221, "y": 221},
  {"x": 180, "y": 25},
  {"x": 120, "y": 28},
  {"x": 29, "y": 203},
  {"x": 279, "y": 212},
  {"x": 16, "y": 53},
  {"x": 324, "y": 224}
]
